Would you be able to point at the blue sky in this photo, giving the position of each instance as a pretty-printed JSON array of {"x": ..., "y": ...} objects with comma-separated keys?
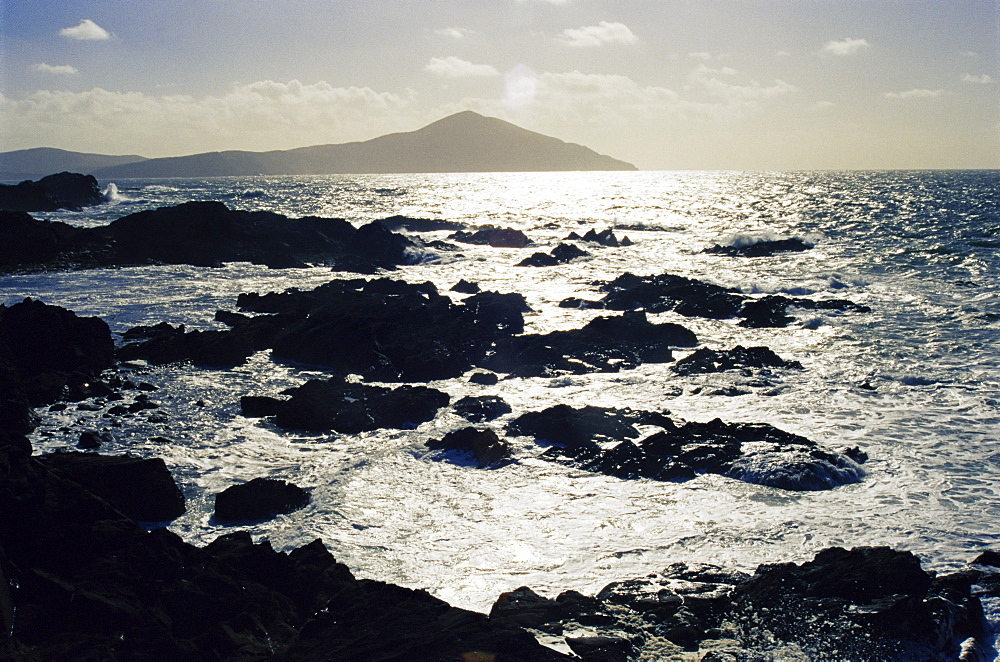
[{"x": 759, "y": 84}]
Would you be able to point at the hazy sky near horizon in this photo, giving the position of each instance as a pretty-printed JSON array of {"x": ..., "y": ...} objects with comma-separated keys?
[{"x": 664, "y": 84}]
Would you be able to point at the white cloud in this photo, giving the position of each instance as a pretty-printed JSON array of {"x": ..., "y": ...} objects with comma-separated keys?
[
  {"x": 455, "y": 32},
  {"x": 598, "y": 35},
  {"x": 972, "y": 55},
  {"x": 844, "y": 47},
  {"x": 58, "y": 69},
  {"x": 919, "y": 93},
  {"x": 733, "y": 93},
  {"x": 86, "y": 30},
  {"x": 259, "y": 116},
  {"x": 822, "y": 105},
  {"x": 979, "y": 79},
  {"x": 454, "y": 67}
]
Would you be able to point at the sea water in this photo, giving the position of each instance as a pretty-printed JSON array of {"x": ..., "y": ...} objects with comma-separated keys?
[{"x": 915, "y": 383}]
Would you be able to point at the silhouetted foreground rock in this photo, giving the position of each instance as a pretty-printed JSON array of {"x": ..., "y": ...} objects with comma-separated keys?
[
  {"x": 205, "y": 234},
  {"x": 64, "y": 190},
  {"x": 695, "y": 298},
  {"x": 259, "y": 498},
  {"x": 141, "y": 489},
  {"x": 605, "y": 237},
  {"x": 761, "y": 248},
  {"x": 867, "y": 604},
  {"x": 752, "y": 452},
  {"x": 86, "y": 582},
  {"x": 51, "y": 352}
]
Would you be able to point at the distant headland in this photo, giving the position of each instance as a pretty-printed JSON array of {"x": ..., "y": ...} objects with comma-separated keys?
[{"x": 463, "y": 142}]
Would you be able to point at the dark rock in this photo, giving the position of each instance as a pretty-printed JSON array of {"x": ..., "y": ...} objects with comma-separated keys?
[
  {"x": 525, "y": 608},
  {"x": 351, "y": 408},
  {"x": 605, "y": 237},
  {"x": 141, "y": 489},
  {"x": 601, "y": 649},
  {"x": 560, "y": 255},
  {"x": 666, "y": 292},
  {"x": 480, "y": 408},
  {"x": 753, "y": 453},
  {"x": 258, "y": 406},
  {"x": 485, "y": 445},
  {"x": 224, "y": 349},
  {"x": 65, "y": 190},
  {"x": 605, "y": 344},
  {"x": 706, "y": 360},
  {"x": 762, "y": 248},
  {"x": 261, "y": 498},
  {"x": 89, "y": 439},
  {"x": 989, "y": 557},
  {"x": 51, "y": 349},
  {"x": 465, "y": 287},
  {"x": 484, "y": 378},
  {"x": 766, "y": 312},
  {"x": 874, "y": 602},
  {"x": 383, "y": 247},
  {"x": 398, "y": 223},
  {"x": 31, "y": 242},
  {"x": 582, "y": 427},
  {"x": 582, "y": 304},
  {"x": 489, "y": 235}
]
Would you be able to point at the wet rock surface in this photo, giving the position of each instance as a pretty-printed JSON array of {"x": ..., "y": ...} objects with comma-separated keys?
[
  {"x": 341, "y": 406},
  {"x": 484, "y": 445},
  {"x": 605, "y": 344},
  {"x": 704, "y": 360},
  {"x": 762, "y": 248},
  {"x": 64, "y": 190},
  {"x": 257, "y": 499},
  {"x": 695, "y": 298},
  {"x": 561, "y": 254},
  {"x": 752, "y": 452},
  {"x": 489, "y": 235},
  {"x": 867, "y": 604}
]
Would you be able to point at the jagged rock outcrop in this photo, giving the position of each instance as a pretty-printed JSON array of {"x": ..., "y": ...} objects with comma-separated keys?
[
  {"x": 484, "y": 444},
  {"x": 761, "y": 248},
  {"x": 752, "y": 452}
]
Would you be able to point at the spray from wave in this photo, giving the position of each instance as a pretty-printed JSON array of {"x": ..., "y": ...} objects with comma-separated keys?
[{"x": 112, "y": 194}]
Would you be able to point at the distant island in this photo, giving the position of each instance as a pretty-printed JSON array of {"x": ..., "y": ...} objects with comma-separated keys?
[{"x": 463, "y": 142}]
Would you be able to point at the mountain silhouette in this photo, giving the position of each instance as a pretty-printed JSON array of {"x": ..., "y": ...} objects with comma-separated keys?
[{"x": 463, "y": 142}]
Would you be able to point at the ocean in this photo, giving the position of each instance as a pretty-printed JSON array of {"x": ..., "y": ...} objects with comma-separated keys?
[{"x": 915, "y": 382}]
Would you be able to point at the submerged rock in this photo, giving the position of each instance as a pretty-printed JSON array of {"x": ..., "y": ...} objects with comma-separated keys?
[
  {"x": 761, "y": 248},
  {"x": 489, "y": 235},
  {"x": 752, "y": 452},
  {"x": 706, "y": 360},
  {"x": 480, "y": 408},
  {"x": 484, "y": 445},
  {"x": 342, "y": 406},
  {"x": 560, "y": 255},
  {"x": 64, "y": 190},
  {"x": 260, "y": 498}
]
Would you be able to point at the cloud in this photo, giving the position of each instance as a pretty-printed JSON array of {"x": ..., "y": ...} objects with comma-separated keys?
[
  {"x": 259, "y": 116},
  {"x": 551, "y": 2},
  {"x": 598, "y": 35},
  {"x": 919, "y": 93},
  {"x": 58, "y": 69},
  {"x": 454, "y": 67},
  {"x": 980, "y": 79},
  {"x": 455, "y": 32},
  {"x": 844, "y": 47},
  {"x": 86, "y": 30},
  {"x": 733, "y": 93}
]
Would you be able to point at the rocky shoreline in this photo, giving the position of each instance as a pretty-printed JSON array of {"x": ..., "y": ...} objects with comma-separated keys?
[{"x": 89, "y": 571}]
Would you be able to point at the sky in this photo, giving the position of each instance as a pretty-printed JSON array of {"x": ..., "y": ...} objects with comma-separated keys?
[{"x": 663, "y": 84}]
